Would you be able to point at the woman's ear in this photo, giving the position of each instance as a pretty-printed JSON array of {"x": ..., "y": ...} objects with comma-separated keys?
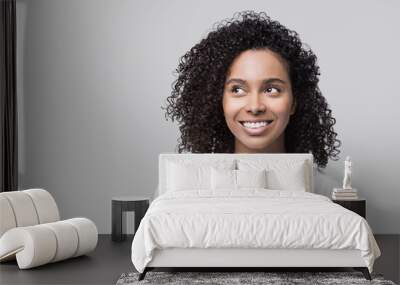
[{"x": 293, "y": 109}]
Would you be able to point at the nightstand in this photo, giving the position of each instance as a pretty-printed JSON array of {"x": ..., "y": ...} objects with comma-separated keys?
[
  {"x": 127, "y": 203},
  {"x": 358, "y": 206}
]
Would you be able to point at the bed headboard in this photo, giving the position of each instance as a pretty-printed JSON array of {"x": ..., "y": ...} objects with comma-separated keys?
[{"x": 163, "y": 158}]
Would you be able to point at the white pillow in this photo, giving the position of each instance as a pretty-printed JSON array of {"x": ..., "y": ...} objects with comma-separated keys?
[
  {"x": 282, "y": 174},
  {"x": 292, "y": 178},
  {"x": 188, "y": 175},
  {"x": 237, "y": 179},
  {"x": 223, "y": 178},
  {"x": 251, "y": 178}
]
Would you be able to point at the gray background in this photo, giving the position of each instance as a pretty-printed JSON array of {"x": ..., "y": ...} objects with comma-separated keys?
[{"x": 93, "y": 74}]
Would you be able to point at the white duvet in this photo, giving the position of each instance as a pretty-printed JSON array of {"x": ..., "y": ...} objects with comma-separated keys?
[{"x": 250, "y": 218}]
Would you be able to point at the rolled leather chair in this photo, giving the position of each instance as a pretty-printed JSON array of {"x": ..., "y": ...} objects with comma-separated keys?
[{"x": 31, "y": 231}]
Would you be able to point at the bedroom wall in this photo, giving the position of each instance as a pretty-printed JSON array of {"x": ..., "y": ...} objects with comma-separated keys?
[{"x": 93, "y": 74}]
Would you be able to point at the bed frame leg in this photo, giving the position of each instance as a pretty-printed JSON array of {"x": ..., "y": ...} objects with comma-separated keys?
[
  {"x": 143, "y": 274},
  {"x": 364, "y": 271}
]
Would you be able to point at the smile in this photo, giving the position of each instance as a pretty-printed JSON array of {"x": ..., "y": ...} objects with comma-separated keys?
[
  {"x": 255, "y": 128},
  {"x": 255, "y": 125}
]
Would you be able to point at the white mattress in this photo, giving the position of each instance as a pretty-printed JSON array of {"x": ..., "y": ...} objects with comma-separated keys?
[
  {"x": 250, "y": 218},
  {"x": 255, "y": 257}
]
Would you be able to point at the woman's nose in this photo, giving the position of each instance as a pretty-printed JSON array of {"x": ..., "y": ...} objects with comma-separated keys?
[{"x": 255, "y": 105}]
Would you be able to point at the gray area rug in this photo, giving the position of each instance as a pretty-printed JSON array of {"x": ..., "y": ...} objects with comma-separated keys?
[{"x": 275, "y": 278}]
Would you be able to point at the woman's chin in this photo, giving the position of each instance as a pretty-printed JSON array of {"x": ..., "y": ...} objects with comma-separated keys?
[
  {"x": 253, "y": 147},
  {"x": 260, "y": 144}
]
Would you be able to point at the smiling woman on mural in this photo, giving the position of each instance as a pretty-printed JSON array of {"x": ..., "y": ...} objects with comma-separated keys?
[{"x": 252, "y": 87}]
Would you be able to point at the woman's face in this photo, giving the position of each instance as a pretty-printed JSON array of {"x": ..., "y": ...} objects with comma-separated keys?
[{"x": 258, "y": 101}]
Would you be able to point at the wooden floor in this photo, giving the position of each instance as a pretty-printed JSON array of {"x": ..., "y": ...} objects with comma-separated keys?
[{"x": 111, "y": 259}]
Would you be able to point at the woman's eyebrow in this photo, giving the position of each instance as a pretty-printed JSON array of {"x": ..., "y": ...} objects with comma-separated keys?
[
  {"x": 237, "y": 80},
  {"x": 271, "y": 80},
  {"x": 265, "y": 81}
]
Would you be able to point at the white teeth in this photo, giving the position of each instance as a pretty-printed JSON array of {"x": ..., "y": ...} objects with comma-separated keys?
[{"x": 253, "y": 125}]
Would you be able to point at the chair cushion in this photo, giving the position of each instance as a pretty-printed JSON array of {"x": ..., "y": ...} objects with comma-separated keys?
[
  {"x": 45, "y": 205},
  {"x": 26, "y": 208},
  {"x": 24, "y": 211},
  {"x": 40, "y": 244},
  {"x": 7, "y": 215}
]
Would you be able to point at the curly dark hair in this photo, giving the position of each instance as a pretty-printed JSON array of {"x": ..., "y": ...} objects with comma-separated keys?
[{"x": 196, "y": 97}]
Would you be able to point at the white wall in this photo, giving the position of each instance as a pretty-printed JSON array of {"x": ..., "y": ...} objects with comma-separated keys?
[{"x": 93, "y": 75}]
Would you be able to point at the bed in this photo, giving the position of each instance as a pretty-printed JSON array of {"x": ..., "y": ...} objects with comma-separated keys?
[{"x": 247, "y": 211}]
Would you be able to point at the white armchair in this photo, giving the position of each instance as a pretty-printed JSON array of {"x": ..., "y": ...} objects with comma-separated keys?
[{"x": 32, "y": 233}]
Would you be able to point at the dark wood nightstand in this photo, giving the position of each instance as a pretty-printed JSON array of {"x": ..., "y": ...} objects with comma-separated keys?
[
  {"x": 137, "y": 204},
  {"x": 358, "y": 206}
]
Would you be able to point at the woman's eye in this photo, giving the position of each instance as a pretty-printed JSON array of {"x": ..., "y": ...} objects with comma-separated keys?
[
  {"x": 236, "y": 89},
  {"x": 272, "y": 90}
]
